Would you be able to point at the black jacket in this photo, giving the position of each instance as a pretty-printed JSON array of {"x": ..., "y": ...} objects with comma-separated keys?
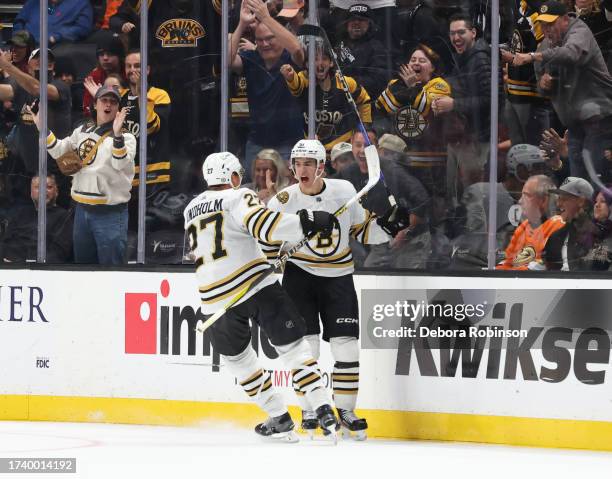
[
  {"x": 471, "y": 89},
  {"x": 409, "y": 193},
  {"x": 19, "y": 243},
  {"x": 581, "y": 235},
  {"x": 365, "y": 61}
]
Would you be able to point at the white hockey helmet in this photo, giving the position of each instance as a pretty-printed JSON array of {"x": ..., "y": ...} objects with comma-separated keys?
[
  {"x": 309, "y": 149},
  {"x": 522, "y": 154},
  {"x": 218, "y": 168}
]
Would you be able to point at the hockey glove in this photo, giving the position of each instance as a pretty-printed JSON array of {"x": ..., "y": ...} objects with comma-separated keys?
[
  {"x": 395, "y": 220},
  {"x": 320, "y": 222}
]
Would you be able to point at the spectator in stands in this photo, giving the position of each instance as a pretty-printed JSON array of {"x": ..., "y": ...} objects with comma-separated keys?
[
  {"x": 341, "y": 156},
  {"x": 600, "y": 256},
  {"x": 411, "y": 246},
  {"x": 101, "y": 189},
  {"x": 529, "y": 239},
  {"x": 407, "y": 102},
  {"x": 103, "y": 11},
  {"x": 335, "y": 117},
  {"x": 19, "y": 243},
  {"x": 22, "y": 89},
  {"x": 270, "y": 174},
  {"x": 292, "y": 15},
  {"x": 360, "y": 55},
  {"x": 68, "y": 20},
  {"x": 427, "y": 23},
  {"x": 597, "y": 14},
  {"x": 568, "y": 247},
  {"x": 22, "y": 43},
  {"x": 571, "y": 70},
  {"x": 470, "y": 248},
  {"x": 527, "y": 112},
  {"x": 111, "y": 59},
  {"x": 276, "y": 118},
  {"x": 158, "y": 114},
  {"x": 471, "y": 84}
]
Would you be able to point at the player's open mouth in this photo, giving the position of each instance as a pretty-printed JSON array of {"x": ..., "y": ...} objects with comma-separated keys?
[{"x": 304, "y": 179}]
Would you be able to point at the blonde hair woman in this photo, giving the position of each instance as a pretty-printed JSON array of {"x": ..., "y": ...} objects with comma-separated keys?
[{"x": 270, "y": 174}]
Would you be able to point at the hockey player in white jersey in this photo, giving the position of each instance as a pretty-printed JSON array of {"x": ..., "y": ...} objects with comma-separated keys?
[
  {"x": 224, "y": 225},
  {"x": 319, "y": 277}
]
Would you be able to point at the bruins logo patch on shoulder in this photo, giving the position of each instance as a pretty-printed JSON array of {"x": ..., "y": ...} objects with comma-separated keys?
[
  {"x": 283, "y": 197},
  {"x": 180, "y": 32}
]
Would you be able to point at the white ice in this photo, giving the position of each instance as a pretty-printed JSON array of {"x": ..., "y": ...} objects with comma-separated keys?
[{"x": 215, "y": 451}]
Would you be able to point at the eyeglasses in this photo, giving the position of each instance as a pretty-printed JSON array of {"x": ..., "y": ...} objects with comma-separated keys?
[{"x": 454, "y": 33}]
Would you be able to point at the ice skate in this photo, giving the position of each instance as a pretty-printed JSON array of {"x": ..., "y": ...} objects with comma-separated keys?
[
  {"x": 310, "y": 423},
  {"x": 328, "y": 421},
  {"x": 278, "y": 428},
  {"x": 352, "y": 426}
]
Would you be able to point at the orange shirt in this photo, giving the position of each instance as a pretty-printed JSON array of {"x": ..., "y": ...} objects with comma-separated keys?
[
  {"x": 111, "y": 8},
  {"x": 527, "y": 243}
]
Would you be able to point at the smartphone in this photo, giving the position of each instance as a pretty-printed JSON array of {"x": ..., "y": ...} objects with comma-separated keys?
[{"x": 34, "y": 106}]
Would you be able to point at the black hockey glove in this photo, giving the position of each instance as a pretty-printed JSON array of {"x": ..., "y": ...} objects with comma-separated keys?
[
  {"x": 320, "y": 222},
  {"x": 395, "y": 220}
]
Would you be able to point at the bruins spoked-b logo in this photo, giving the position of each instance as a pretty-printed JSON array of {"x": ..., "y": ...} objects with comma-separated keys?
[
  {"x": 410, "y": 123},
  {"x": 84, "y": 149},
  {"x": 325, "y": 247},
  {"x": 180, "y": 32}
]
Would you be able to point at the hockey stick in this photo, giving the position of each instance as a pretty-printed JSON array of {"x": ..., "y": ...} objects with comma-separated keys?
[{"x": 374, "y": 175}]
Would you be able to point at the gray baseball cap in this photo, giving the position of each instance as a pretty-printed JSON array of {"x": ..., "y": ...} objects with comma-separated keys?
[
  {"x": 340, "y": 149},
  {"x": 108, "y": 90},
  {"x": 575, "y": 186}
]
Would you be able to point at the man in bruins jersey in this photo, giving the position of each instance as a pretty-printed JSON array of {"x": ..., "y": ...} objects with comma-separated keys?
[
  {"x": 319, "y": 277},
  {"x": 158, "y": 112},
  {"x": 335, "y": 117},
  {"x": 224, "y": 224},
  {"x": 528, "y": 112}
]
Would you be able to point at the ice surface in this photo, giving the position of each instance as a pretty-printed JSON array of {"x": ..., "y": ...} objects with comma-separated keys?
[{"x": 216, "y": 451}]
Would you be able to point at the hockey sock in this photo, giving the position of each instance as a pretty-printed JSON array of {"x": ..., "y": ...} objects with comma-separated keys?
[
  {"x": 314, "y": 343},
  {"x": 256, "y": 382},
  {"x": 345, "y": 377},
  {"x": 307, "y": 379}
]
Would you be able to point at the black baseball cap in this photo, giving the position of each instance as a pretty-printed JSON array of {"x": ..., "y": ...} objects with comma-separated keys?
[
  {"x": 111, "y": 44},
  {"x": 550, "y": 11},
  {"x": 359, "y": 10}
]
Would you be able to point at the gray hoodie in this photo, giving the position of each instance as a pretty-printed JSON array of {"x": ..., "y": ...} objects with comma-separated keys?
[{"x": 582, "y": 89}]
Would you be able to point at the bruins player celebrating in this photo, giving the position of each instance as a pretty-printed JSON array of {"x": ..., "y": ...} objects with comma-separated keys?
[
  {"x": 335, "y": 117},
  {"x": 319, "y": 277},
  {"x": 224, "y": 224}
]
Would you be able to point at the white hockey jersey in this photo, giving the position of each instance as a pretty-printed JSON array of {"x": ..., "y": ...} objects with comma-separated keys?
[
  {"x": 331, "y": 257},
  {"x": 223, "y": 228}
]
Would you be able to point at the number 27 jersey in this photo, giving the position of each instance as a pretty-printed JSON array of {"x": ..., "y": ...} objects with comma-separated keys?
[{"x": 224, "y": 227}]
